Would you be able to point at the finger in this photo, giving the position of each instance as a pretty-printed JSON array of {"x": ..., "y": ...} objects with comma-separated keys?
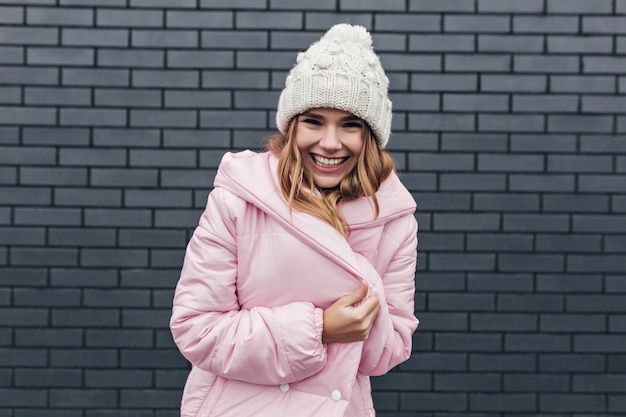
[{"x": 357, "y": 295}]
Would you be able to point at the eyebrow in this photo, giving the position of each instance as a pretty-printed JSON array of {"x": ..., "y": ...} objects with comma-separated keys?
[{"x": 348, "y": 118}]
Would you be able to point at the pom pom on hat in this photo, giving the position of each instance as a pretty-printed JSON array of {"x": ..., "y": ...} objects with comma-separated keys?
[{"x": 339, "y": 71}]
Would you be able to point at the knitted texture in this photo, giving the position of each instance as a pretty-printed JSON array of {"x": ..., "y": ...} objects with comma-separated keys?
[{"x": 339, "y": 71}]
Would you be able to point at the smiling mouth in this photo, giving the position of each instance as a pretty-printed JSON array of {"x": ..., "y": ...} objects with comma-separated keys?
[{"x": 328, "y": 162}]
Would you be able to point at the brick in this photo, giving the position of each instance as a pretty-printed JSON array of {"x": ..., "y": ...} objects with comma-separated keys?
[
  {"x": 473, "y": 102},
  {"x": 164, "y": 38},
  {"x": 510, "y": 43},
  {"x": 231, "y": 119},
  {"x": 535, "y": 222},
  {"x": 95, "y": 37},
  {"x": 615, "y": 244},
  {"x": 13, "y": 35},
  {"x": 506, "y": 202},
  {"x": 441, "y": 122},
  {"x": 268, "y": 60},
  {"x": 556, "y": 362},
  {"x": 408, "y": 23},
  {"x": 582, "y": 84},
  {"x": 546, "y": 64},
  {"x": 609, "y": 25},
  {"x": 580, "y": 44},
  {"x": 152, "y": 238},
  {"x": 472, "y": 141},
  {"x": 133, "y": 58},
  {"x": 49, "y": 337},
  {"x": 395, "y": 380},
  {"x": 129, "y": 18},
  {"x": 580, "y": 123},
  {"x": 545, "y": 24},
  {"x": 572, "y": 323},
  {"x": 24, "y": 317},
  {"x": 188, "y": 4},
  {"x": 163, "y": 118},
  {"x": 81, "y": 237},
  {"x": 27, "y": 115},
  {"x": 443, "y": 321},
  {"x": 440, "y": 162},
  {"x": 162, "y": 158},
  {"x": 117, "y": 217},
  {"x": 477, "y": 62},
  {"x": 84, "y": 317},
  {"x": 118, "y": 379},
  {"x": 455, "y": 6},
  {"x": 499, "y": 243},
  {"x": 22, "y": 236},
  {"x": 59, "y": 16},
  {"x": 127, "y": 98},
  {"x": 23, "y": 276},
  {"x": 506, "y": 402},
  {"x": 476, "y": 23},
  {"x": 510, "y": 6},
  {"x": 443, "y": 43},
  {"x": 186, "y": 178},
  {"x": 583, "y": 163},
  {"x": 462, "y": 262},
  {"x": 200, "y": 60},
  {"x": 47, "y": 216},
  {"x": 598, "y": 223},
  {"x": 103, "y": 3},
  {"x": 92, "y": 117},
  {"x": 47, "y": 297},
  {"x": 531, "y": 262},
  {"x": 528, "y": 303},
  {"x": 604, "y": 64},
  {"x": 148, "y": 398},
  {"x": 602, "y": 104},
  {"x": 10, "y": 95},
  {"x": 510, "y": 123},
  {"x": 14, "y": 397},
  {"x": 510, "y": 163},
  {"x": 83, "y": 358},
  {"x": 579, "y": 6},
  {"x": 545, "y": 103},
  {"x": 57, "y": 96},
  {"x": 48, "y": 378},
  {"x": 443, "y": 82},
  {"x": 11, "y": 55},
  {"x": 78, "y": 398},
  {"x": 602, "y": 183},
  {"x": 55, "y": 135},
  {"x": 123, "y": 258},
  {"x": 466, "y": 221},
  {"x": 25, "y": 196},
  {"x": 142, "y": 359},
  {"x": 92, "y": 157},
  {"x": 149, "y": 279},
  {"x": 196, "y": 138},
  {"x": 53, "y": 176},
  {"x": 571, "y": 403},
  {"x": 11, "y": 15},
  {"x": 8, "y": 175},
  {"x": 569, "y": 283},
  {"x": 568, "y": 243},
  {"x": 472, "y": 182},
  {"x": 474, "y": 342},
  {"x": 167, "y": 258},
  {"x": 552, "y": 182},
  {"x": 505, "y": 322},
  {"x": 118, "y": 338},
  {"x": 505, "y": 282},
  {"x": 240, "y": 4},
  {"x": 596, "y": 263},
  {"x": 199, "y": 19},
  {"x": 240, "y": 79},
  {"x": 204, "y": 99},
  {"x": 268, "y": 20},
  {"x": 83, "y": 277},
  {"x": 410, "y": 63},
  {"x": 221, "y": 39},
  {"x": 512, "y": 83},
  {"x": 123, "y": 177},
  {"x": 543, "y": 143},
  {"x": 322, "y": 21},
  {"x": 162, "y": 78}
]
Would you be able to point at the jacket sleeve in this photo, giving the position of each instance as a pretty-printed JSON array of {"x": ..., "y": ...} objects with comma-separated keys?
[
  {"x": 260, "y": 345},
  {"x": 390, "y": 340}
]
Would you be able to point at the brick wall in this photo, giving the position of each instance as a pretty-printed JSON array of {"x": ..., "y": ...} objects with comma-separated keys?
[{"x": 509, "y": 128}]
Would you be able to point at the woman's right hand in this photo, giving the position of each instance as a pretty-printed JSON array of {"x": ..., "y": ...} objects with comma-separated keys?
[{"x": 350, "y": 318}]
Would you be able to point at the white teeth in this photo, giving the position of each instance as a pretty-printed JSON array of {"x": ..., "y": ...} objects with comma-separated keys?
[{"x": 327, "y": 162}]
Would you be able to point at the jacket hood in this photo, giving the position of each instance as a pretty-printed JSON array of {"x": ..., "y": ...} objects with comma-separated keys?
[{"x": 253, "y": 177}]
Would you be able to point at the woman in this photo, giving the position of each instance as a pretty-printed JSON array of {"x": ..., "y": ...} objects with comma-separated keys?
[{"x": 298, "y": 283}]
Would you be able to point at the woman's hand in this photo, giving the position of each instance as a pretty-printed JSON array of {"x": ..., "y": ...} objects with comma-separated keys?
[{"x": 350, "y": 318}]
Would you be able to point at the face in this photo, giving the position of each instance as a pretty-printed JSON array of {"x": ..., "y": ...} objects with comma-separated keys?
[{"x": 330, "y": 142}]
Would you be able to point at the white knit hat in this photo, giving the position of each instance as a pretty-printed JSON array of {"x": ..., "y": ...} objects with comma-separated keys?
[{"x": 340, "y": 71}]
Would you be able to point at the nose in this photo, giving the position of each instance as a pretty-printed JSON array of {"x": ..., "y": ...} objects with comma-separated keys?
[{"x": 330, "y": 140}]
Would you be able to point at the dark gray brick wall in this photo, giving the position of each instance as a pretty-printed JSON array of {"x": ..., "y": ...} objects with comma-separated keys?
[{"x": 509, "y": 129}]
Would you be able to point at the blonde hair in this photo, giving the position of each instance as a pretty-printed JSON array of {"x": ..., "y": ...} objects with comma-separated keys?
[{"x": 373, "y": 166}]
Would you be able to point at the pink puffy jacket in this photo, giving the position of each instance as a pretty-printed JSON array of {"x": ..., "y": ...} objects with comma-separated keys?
[{"x": 249, "y": 304}]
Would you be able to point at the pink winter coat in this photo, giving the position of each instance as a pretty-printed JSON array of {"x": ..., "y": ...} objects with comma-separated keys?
[{"x": 248, "y": 309}]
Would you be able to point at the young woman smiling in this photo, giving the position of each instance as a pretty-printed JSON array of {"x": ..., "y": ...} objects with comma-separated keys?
[{"x": 298, "y": 282}]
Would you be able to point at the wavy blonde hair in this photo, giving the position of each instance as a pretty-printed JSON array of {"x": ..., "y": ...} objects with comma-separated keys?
[{"x": 373, "y": 166}]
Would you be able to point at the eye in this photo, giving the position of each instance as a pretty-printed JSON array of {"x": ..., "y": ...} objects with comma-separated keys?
[
  {"x": 311, "y": 121},
  {"x": 353, "y": 125}
]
